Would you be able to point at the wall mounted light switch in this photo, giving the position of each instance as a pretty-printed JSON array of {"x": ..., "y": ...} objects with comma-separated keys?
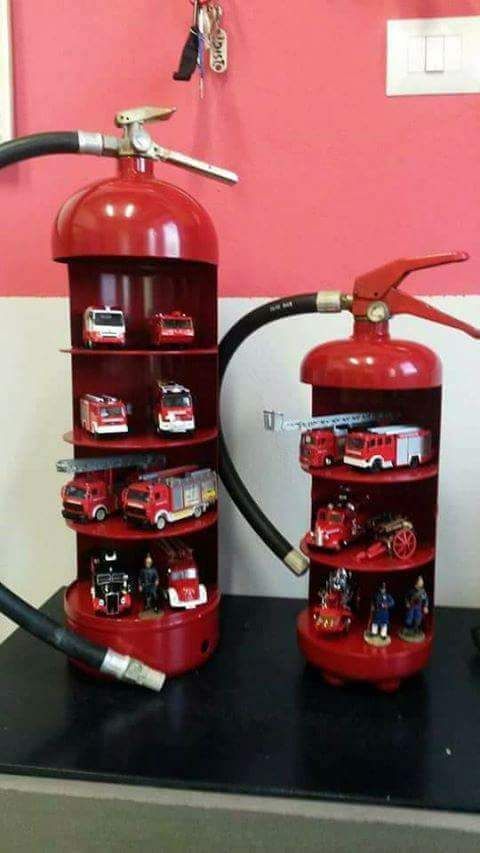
[{"x": 433, "y": 56}]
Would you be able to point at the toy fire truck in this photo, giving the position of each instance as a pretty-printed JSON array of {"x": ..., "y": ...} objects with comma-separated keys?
[
  {"x": 172, "y": 408},
  {"x": 184, "y": 587},
  {"x": 169, "y": 496},
  {"x": 342, "y": 522},
  {"x": 172, "y": 329},
  {"x": 388, "y": 447},
  {"x": 110, "y": 590},
  {"x": 322, "y": 447},
  {"x": 323, "y": 441},
  {"x": 95, "y": 492},
  {"x": 339, "y": 523},
  {"x": 103, "y": 415},
  {"x": 103, "y": 326},
  {"x": 334, "y": 614}
]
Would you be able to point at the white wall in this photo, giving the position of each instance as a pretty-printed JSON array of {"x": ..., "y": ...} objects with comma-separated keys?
[{"x": 37, "y": 550}]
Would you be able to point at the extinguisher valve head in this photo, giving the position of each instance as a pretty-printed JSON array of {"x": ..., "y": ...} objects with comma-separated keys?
[{"x": 136, "y": 141}]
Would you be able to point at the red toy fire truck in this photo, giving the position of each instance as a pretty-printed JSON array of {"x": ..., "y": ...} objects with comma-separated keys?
[
  {"x": 334, "y": 615},
  {"x": 339, "y": 524},
  {"x": 172, "y": 408},
  {"x": 323, "y": 441},
  {"x": 172, "y": 329},
  {"x": 169, "y": 496},
  {"x": 90, "y": 497},
  {"x": 103, "y": 415},
  {"x": 321, "y": 447},
  {"x": 184, "y": 587},
  {"x": 388, "y": 447},
  {"x": 95, "y": 492},
  {"x": 103, "y": 326},
  {"x": 110, "y": 590}
]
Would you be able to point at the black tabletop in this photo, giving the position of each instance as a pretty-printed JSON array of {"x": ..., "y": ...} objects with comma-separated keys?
[{"x": 256, "y": 719}]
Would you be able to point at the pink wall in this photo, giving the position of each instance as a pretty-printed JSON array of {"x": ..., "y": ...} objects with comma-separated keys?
[{"x": 336, "y": 177}]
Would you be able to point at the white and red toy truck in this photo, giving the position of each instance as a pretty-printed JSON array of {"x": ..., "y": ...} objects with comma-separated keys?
[
  {"x": 184, "y": 588},
  {"x": 388, "y": 447},
  {"x": 103, "y": 325},
  {"x": 172, "y": 408},
  {"x": 169, "y": 496},
  {"x": 103, "y": 415},
  {"x": 172, "y": 329}
]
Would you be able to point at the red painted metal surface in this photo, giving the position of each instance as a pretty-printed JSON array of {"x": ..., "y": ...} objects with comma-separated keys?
[
  {"x": 173, "y": 642},
  {"x": 114, "y": 528},
  {"x": 348, "y": 474},
  {"x": 372, "y": 371},
  {"x": 134, "y": 215},
  {"x": 146, "y": 441},
  {"x": 348, "y": 558},
  {"x": 144, "y": 246},
  {"x": 349, "y": 658},
  {"x": 371, "y": 359}
]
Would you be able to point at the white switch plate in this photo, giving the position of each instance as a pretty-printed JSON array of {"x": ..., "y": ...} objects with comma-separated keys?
[
  {"x": 6, "y": 73},
  {"x": 433, "y": 56}
]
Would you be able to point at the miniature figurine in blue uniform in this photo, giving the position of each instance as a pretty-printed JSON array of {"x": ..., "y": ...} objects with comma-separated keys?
[
  {"x": 382, "y": 603},
  {"x": 148, "y": 583},
  {"x": 417, "y": 604}
]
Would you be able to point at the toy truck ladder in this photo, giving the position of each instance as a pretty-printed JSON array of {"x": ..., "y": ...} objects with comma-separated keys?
[
  {"x": 277, "y": 422},
  {"x": 108, "y": 463}
]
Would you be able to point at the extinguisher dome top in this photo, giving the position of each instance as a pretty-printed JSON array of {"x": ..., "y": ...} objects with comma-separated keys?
[
  {"x": 371, "y": 360},
  {"x": 134, "y": 215}
]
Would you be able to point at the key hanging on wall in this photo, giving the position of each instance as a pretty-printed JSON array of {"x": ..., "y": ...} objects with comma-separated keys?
[
  {"x": 189, "y": 57},
  {"x": 205, "y": 35}
]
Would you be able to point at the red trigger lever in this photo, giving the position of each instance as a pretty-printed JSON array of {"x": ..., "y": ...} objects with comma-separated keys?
[{"x": 376, "y": 295}]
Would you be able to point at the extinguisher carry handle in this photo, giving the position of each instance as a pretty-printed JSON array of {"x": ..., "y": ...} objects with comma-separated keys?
[
  {"x": 377, "y": 283},
  {"x": 380, "y": 286}
]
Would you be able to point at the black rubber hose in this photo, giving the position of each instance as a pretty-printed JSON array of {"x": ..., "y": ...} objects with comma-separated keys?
[
  {"x": 305, "y": 303},
  {"x": 46, "y": 629},
  {"x": 38, "y": 145}
]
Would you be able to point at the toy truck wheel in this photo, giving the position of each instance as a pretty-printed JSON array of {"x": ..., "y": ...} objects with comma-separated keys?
[
  {"x": 160, "y": 522},
  {"x": 404, "y": 544},
  {"x": 414, "y": 462},
  {"x": 198, "y": 511},
  {"x": 376, "y": 465},
  {"x": 100, "y": 514}
]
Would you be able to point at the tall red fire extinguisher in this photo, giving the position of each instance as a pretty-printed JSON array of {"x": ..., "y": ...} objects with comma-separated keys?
[
  {"x": 370, "y": 584},
  {"x": 144, "y": 246}
]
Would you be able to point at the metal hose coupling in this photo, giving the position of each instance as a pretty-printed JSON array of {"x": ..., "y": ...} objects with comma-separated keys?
[
  {"x": 333, "y": 301},
  {"x": 125, "y": 668}
]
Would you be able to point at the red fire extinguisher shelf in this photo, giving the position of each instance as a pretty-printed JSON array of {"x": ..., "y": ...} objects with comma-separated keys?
[
  {"x": 371, "y": 372},
  {"x": 139, "y": 250}
]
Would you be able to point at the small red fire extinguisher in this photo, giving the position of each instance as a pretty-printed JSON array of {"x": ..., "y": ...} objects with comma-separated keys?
[{"x": 370, "y": 546}]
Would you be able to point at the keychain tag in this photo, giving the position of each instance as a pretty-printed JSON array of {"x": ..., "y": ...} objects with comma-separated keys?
[{"x": 218, "y": 51}]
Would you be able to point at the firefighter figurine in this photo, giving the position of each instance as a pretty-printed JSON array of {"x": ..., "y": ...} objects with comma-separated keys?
[
  {"x": 148, "y": 584},
  {"x": 416, "y": 604},
  {"x": 382, "y": 603}
]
